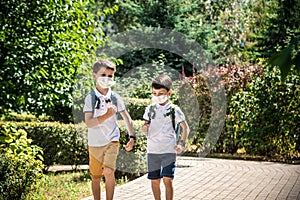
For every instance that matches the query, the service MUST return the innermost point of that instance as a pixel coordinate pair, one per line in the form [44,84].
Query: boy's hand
[129,145]
[145,127]
[179,148]
[111,111]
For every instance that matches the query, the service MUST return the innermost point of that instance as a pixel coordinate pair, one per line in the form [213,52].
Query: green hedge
[136,107]
[133,162]
[23,117]
[66,144]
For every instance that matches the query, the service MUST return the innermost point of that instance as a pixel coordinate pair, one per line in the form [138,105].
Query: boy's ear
[94,75]
[170,92]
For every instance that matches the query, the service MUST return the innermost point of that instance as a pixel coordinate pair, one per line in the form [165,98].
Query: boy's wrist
[182,143]
[131,136]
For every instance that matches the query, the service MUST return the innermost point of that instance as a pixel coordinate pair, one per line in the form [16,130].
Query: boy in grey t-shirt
[162,147]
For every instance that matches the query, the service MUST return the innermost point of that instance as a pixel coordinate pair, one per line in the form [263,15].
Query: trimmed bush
[61,143]
[136,107]
[23,117]
[133,162]
[20,163]
[66,144]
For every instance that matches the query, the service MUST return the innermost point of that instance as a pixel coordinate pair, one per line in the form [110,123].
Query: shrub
[134,162]
[266,114]
[66,144]
[136,107]
[61,143]
[22,117]
[20,163]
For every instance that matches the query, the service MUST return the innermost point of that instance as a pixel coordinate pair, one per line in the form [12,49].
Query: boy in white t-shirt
[160,118]
[100,117]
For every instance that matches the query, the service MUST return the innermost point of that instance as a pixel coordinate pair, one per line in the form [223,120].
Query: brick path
[209,179]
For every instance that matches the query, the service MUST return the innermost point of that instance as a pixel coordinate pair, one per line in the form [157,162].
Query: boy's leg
[154,174]
[109,175]
[110,159]
[155,185]
[168,182]
[96,170]
[168,171]
[96,188]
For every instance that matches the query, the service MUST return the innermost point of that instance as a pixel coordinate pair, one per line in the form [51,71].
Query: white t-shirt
[107,131]
[161,134]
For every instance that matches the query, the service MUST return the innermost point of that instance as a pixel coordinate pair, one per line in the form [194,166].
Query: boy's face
[161,96]
[104,72]
[160,92]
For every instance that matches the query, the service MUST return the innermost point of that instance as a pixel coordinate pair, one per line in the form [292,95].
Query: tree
[43,43]
[278,38]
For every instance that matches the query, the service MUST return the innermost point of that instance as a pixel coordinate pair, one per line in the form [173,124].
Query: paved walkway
[214,179]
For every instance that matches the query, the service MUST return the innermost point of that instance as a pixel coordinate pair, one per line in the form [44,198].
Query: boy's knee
[96,180]
[167,180]
[108,171]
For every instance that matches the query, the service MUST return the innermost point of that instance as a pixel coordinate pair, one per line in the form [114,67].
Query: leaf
[283,60]
[296,61]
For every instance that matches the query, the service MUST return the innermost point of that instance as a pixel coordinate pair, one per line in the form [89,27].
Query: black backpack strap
[151,113]
[114,99]
[172,114]
[93,99]
[176,127]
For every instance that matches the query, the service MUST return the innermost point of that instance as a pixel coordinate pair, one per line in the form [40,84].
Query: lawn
[67,185]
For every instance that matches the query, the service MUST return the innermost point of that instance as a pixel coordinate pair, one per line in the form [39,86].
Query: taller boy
[100,110]
[160,119]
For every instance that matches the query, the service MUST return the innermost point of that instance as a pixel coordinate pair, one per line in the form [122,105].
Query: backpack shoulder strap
[93,99]
[114,99]
[151,113]
[176,127]
[172,115]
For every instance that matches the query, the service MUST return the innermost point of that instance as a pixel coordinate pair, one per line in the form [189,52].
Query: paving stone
[206,178]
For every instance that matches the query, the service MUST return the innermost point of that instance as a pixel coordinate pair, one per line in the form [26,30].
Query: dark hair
[103,63]
[162,81]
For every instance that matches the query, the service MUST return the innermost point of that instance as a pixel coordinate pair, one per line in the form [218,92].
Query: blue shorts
[160,165]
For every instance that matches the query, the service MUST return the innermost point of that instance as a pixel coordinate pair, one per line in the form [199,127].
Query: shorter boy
[160,118]
[100,117]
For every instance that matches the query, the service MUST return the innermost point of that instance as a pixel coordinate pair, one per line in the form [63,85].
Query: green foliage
[287,58]
[61,143]
[133,163]
[20,163]
[66,144]
[21,117]
[136,107]
[42,46]
[277,37]
[264,117]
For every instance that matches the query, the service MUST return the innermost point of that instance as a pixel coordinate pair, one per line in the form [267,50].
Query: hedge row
[66,144]
[136,107]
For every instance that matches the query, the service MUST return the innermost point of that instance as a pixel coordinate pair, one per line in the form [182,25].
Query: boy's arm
[145,127]
[125,115]
[92,122]
[185,132]
[182,143]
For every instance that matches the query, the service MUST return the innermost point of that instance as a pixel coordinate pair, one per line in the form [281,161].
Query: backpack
[176,127]
[113,99]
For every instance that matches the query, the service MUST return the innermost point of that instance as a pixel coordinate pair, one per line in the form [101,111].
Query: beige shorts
[100,157]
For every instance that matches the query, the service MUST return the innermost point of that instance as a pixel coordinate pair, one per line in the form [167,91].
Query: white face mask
[160,99]
[105,82]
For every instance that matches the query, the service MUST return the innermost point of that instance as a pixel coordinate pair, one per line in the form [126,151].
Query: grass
[67,185]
